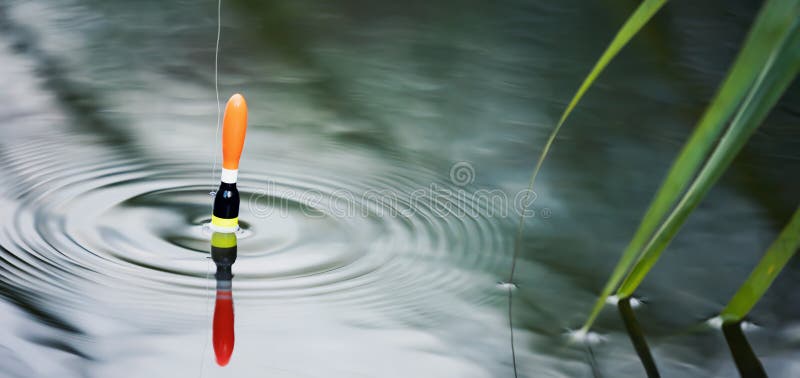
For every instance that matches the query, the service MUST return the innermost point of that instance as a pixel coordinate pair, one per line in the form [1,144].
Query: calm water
[378,130]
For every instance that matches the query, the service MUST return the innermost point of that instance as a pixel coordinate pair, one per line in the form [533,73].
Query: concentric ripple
[385,239]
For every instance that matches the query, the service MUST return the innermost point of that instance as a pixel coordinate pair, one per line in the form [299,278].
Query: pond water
[388,146]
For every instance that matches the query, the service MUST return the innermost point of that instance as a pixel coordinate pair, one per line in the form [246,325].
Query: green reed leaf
[782,67]
[776,257]
[766,37]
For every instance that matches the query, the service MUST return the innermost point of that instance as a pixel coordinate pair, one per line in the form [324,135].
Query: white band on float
[223,229]
[229,176]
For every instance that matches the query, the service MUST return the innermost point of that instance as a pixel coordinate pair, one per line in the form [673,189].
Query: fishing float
[225,213]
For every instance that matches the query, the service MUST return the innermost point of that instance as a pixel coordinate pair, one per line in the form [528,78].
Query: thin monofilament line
[216,92]
[213,176]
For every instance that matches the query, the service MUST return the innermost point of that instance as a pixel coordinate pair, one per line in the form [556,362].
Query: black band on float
[226,202]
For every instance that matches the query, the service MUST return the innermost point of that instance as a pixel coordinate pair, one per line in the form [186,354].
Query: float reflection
[223,252]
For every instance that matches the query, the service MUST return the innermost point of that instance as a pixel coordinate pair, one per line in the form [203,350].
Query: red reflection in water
[223,337]
[223,252]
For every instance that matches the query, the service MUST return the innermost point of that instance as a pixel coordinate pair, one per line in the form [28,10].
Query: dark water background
[108,137]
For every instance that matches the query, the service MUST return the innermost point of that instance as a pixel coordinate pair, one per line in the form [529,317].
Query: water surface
[376,131]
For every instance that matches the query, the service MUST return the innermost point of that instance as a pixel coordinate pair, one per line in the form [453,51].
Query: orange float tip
[234,127]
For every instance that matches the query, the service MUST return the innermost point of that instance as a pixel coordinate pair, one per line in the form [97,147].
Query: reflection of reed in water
[746,360]
[223,252]
[637,337]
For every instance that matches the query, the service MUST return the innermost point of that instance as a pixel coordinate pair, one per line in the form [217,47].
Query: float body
[225,214]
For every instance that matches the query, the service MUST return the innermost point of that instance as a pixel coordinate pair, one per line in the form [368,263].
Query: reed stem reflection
[637,337]
[743,355]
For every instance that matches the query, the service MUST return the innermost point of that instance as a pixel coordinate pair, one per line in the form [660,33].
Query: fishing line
[219,109]
[213,176]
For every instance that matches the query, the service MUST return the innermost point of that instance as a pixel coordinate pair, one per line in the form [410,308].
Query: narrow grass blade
[782,67]
[776,257]
[632,25]
[765,37]
[635,22]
